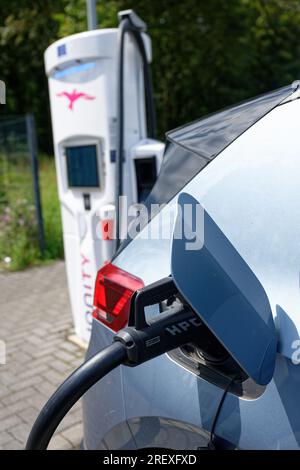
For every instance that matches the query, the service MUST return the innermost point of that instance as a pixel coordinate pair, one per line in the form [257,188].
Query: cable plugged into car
[211,295]
[131,346]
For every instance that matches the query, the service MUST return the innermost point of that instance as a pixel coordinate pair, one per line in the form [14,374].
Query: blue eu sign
[61,50]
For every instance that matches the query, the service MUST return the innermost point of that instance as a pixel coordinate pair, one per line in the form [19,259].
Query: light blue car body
[252,191]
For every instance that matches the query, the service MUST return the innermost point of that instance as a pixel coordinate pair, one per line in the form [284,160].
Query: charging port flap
[225,293]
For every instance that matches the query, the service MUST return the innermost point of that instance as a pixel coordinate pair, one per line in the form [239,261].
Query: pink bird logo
[74,96]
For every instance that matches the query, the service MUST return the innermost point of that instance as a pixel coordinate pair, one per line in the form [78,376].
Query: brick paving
[35,321]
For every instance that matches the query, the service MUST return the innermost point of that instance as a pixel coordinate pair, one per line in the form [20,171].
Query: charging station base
[78,341]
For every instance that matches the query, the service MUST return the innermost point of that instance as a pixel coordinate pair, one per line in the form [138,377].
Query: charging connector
[177,326]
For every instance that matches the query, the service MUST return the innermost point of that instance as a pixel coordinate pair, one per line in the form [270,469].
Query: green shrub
[51,209]
[18,235]
[19,246]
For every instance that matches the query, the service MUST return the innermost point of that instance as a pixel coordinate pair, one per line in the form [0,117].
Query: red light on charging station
[113,291]
[107,229]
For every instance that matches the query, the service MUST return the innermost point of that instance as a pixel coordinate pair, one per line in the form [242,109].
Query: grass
[51,210]
[18,231]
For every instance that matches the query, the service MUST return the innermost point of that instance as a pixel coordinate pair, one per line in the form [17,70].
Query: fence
[21,223]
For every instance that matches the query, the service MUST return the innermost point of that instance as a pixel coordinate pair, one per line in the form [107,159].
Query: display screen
[82,166]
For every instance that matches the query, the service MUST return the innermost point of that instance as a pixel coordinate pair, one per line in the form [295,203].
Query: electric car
[243,166]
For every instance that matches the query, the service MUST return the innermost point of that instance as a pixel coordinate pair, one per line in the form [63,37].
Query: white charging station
[84,72]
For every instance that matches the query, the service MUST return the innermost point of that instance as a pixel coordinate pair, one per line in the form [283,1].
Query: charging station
[103,132]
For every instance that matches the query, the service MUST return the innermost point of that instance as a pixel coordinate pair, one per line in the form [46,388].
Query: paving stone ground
[35,321]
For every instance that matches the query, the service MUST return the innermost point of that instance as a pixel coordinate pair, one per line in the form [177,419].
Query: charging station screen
[82,166]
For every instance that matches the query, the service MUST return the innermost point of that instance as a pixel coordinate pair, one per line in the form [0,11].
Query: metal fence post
[91,14]
[32,145]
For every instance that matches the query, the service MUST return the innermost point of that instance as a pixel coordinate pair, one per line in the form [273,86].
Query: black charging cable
[127,27]
[132,346]
[140,342]
[211,445]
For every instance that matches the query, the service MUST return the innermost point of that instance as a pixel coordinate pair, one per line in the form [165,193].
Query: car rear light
[113,291]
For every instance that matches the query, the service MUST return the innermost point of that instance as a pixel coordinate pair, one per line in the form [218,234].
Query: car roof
[209,135]
[193,146]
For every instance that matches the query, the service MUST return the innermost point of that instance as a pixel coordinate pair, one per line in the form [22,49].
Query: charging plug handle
[169,330]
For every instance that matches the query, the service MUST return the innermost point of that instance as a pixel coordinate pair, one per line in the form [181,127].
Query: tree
[28,28]
[207,54]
